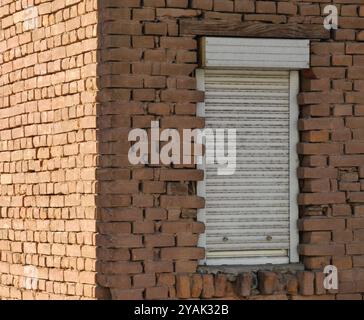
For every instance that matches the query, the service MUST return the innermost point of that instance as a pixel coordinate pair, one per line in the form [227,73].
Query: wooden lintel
[252,29]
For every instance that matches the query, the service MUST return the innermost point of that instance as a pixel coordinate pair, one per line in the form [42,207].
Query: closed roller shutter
[247,214]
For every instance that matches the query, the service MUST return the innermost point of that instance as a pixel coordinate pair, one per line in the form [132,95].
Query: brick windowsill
[236,269]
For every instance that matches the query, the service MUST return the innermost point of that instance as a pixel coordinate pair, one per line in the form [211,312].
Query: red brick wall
[48,149]
[149,231]
[64,176]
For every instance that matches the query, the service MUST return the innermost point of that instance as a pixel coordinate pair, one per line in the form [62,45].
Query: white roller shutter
[248,214]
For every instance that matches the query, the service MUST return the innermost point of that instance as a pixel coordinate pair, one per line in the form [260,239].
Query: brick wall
[149,230]
[147,215]
[48,149]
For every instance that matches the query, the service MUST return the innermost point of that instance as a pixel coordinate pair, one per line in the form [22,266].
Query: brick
[181,202]
[286,8]
[314,224]
[342,262]
[354,97]
[342,60]
[182,253]
[320,148]
[305,283]
[359,109]
[355,48]
[321,249]
[178,43]
[202,4]
[356,196]
[354,147]
[355,223]
[351,275]
[319,283]
[268,282]
[143,227]
[159,240]
[156,28]
[342,236]
[316,185]
[208,290]
[344,85]
[292,285]
[183,286]
[186,239]
[181,175]
[143,201]
[309,9]
[351,23]
[224,5]
[355,73]
[144,280]
[316,237]
[181,95]
[345,34]
[306,173]
[177,3]
[114,281]
[114,227]
[316,262]
[126,28]
[154,3]
[166,279]
[321,198]
[142,254]
[358,134]
[359,211]
[179,226]
[315,136]
[320,124]
[155,214]
[308,98]
[265,7]
[120,240]
[143,14]
[153,187]
[349,186]
[244,284]
[186,266]
[220,284]
[341,210]
[197,285]
[169,69]
[346,161]
[358,261]
[120,267]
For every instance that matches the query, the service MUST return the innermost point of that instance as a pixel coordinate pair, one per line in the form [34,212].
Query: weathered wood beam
[252,29]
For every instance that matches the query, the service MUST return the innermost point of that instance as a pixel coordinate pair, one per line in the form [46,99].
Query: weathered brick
[306,283]
[268,282]
[183,286]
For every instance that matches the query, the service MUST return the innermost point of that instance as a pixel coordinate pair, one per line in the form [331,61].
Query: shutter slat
[249,210]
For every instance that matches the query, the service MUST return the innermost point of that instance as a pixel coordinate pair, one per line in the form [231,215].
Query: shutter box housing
[254,53]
